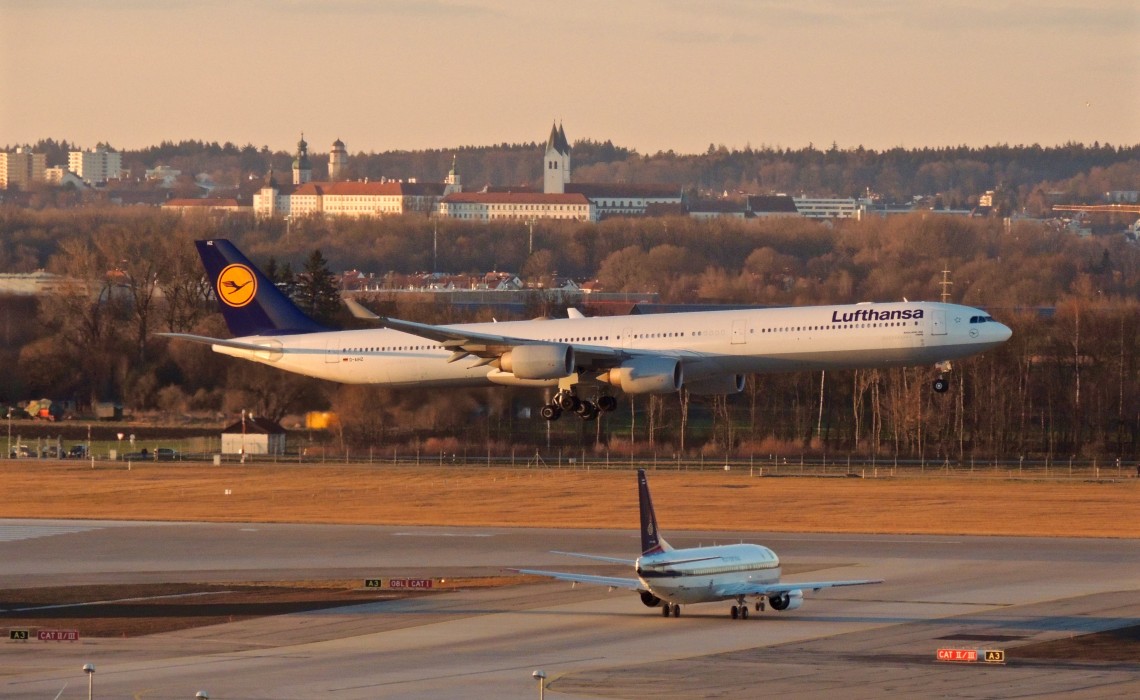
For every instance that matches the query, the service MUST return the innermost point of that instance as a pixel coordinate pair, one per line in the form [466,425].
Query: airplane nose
[1003,332]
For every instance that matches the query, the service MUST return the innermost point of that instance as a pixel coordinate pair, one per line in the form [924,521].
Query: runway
[871,641]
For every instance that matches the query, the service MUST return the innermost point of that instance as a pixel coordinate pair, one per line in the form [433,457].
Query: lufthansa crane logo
[237,285]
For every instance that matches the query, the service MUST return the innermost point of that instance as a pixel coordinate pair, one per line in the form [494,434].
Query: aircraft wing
[735,589]
[464,342]
[207,340]
[629,584]
[597,557]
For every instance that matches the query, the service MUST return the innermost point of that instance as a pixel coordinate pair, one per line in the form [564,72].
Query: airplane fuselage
[710,343]
[684,576]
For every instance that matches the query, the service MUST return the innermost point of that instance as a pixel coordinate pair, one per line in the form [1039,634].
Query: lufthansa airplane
[706,352]
[671,577]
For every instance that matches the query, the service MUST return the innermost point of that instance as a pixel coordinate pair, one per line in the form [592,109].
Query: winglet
[250,303]
[651,540]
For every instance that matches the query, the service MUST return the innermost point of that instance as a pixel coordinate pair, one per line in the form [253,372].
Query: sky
[653,75]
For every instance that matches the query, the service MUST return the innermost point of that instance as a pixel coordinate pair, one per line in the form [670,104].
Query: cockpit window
[982,319]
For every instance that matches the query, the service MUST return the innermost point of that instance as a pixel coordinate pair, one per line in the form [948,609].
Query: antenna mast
[946,285]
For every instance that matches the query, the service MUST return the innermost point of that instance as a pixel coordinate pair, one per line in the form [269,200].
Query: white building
[338,161]
[96,166]
[829,207]
[21,168]
[523,206]
[351,199]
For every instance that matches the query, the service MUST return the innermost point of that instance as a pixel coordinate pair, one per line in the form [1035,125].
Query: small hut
[253,436]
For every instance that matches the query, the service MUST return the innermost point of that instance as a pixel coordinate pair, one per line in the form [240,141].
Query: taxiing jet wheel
[735,612]
[550,412]
[566,401]
[759,606]
[665,609]
[606,403]
[589,411]
[676,610]
[743,612]
[941,385]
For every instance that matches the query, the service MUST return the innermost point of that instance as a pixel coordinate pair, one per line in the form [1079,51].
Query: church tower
[452,184]
[556,170]
[302,169]
[338,161]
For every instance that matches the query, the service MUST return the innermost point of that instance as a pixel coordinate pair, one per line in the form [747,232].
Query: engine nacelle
[646,375]
[650,600]
[786,601]
[547,361]
[716,386]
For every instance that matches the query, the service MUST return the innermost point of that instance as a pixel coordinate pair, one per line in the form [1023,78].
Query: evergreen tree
[317,292]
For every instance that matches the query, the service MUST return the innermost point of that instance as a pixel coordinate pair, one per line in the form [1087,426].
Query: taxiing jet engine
[646,375]
[547,361]
[786,601]
[650,600]
[716,386]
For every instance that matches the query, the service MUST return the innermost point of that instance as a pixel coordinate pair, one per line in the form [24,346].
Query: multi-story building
[829,207]
[96,166]
[21,168]
[525,206]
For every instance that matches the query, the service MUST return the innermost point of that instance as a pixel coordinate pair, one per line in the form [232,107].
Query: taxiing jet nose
[1002,332]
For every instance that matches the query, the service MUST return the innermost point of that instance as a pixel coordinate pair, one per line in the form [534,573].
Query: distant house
[253,436]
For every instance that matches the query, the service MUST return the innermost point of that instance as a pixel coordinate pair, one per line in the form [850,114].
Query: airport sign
[58,635]
[411,583]
[18,635]
[970,656]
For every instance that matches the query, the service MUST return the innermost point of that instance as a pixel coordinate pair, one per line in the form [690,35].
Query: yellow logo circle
[237,285]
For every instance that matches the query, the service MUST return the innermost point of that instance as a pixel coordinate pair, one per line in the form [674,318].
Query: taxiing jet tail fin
[651,540]
[249,301]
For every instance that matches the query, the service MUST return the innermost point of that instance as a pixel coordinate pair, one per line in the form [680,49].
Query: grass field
[477,496]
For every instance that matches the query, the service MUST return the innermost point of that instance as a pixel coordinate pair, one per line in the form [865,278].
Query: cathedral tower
[556,170]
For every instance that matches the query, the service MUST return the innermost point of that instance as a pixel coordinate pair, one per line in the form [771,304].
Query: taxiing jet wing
[598,557]
[629,584]
[735,589]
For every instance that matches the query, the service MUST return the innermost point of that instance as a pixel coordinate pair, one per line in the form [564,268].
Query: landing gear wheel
[676,610]
[759,606]
[665,609]
[588,411]
[941,385]
[566,401]
[606,403]
[743,612]
[735,612]
[550,412]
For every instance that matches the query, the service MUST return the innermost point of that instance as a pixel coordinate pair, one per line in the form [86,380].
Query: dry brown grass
[477,496]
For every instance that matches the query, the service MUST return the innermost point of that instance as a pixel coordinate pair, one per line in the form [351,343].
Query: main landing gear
[670,608]
[740,611]
[586,410]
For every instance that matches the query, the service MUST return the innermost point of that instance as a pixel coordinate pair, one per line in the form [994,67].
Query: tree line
[1066,384]
[1025,178]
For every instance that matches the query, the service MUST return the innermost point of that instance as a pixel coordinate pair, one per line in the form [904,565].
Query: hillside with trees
[1025,179]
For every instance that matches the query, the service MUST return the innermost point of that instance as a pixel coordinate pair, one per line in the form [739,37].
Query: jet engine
[786,601]
[650,600]
[546,361]
[715,386]
[646,375]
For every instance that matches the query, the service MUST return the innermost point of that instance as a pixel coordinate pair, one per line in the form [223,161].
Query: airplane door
[938,323]
[332,350]
[739,331]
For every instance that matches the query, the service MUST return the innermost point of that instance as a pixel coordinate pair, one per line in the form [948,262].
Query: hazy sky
[647,74]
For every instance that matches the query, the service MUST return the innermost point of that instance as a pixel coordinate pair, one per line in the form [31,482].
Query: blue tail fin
[651,540]
[249,301]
